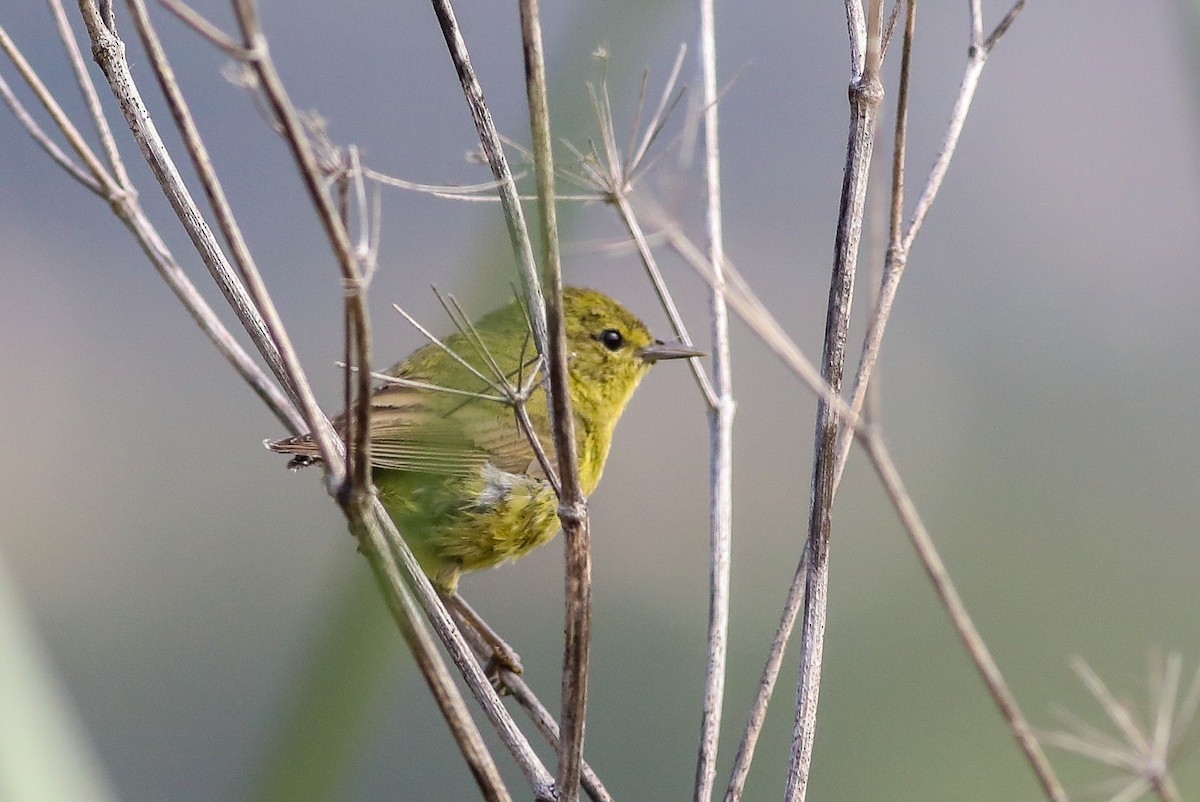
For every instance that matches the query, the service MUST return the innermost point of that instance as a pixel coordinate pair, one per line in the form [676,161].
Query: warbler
[453,466]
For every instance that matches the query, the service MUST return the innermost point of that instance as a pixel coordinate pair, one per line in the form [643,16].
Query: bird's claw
[503,660]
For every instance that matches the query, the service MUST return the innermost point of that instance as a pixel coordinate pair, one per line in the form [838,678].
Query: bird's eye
[612,339]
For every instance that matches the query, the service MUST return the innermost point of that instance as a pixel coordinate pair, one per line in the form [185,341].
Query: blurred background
[205,616]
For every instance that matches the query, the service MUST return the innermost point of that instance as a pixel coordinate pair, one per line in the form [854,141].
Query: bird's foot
[503,661]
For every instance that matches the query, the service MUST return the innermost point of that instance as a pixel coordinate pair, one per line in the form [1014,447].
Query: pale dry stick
[759,320]
[998,688]
[636,161]
[629,217]
[877,244]
[548,727]
[516,687]
[1117,712]
[749,308]
[90,162]
[871,346]
[109,53]
[540,780]
[1165,692]
[445,693]
[255,42]
[90,97]
[866,93]
[123,202]
[434,189]
[320,427]
[215,36]
[480,766]
[260,299]
[720,421]
[295,136]
[493,149]
[898,253]
[131,214]
[613,180]
[1144,753]
[56,154]
[572,505]
[896,260]
[356,382]
[514,740]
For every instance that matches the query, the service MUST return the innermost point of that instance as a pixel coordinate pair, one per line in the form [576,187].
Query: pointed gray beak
[661,350]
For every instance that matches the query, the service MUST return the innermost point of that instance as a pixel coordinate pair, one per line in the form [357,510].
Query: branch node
[574,514]
[867,90]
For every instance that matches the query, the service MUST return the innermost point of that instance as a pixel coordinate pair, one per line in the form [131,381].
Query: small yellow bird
[456,471]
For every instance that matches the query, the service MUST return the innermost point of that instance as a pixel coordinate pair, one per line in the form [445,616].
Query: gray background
[1038,388]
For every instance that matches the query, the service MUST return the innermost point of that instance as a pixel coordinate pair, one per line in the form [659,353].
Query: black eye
[612,339]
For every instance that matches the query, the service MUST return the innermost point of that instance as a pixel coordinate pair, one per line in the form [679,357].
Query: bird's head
[609,352]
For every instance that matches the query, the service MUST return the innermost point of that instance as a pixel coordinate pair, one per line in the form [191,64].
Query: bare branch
[720,426]
[614,181]
[124,204]
[441,686]
[629,217]
[493,149]
[215,36]
[90,98]
[971,638]
[866,93]
[548,727]
[435,189]
[572,509]
[766,686]
[109,52]
[1003,26]
[92,164]
[44,141]
[751,310]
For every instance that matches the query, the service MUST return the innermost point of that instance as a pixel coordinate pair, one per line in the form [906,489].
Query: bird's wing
[429,431]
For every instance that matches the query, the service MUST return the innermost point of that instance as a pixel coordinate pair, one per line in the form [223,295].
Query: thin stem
[44,141]
[277,350]
[548,727]
[753,312]
[515,685]
[246,14]
[572,509]
[424,650]
[629,217]
[989,671]
[215,36]
[958,117]
[720,422]
[540,780]
[123,202]
[109,52]
[90,97]
[897,254]
[866,93]
[766,686]
[52,107]
[493,149]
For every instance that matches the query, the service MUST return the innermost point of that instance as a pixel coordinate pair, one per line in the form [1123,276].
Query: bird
[454,468]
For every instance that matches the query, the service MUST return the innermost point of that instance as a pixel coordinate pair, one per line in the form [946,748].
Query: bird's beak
[661,350]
